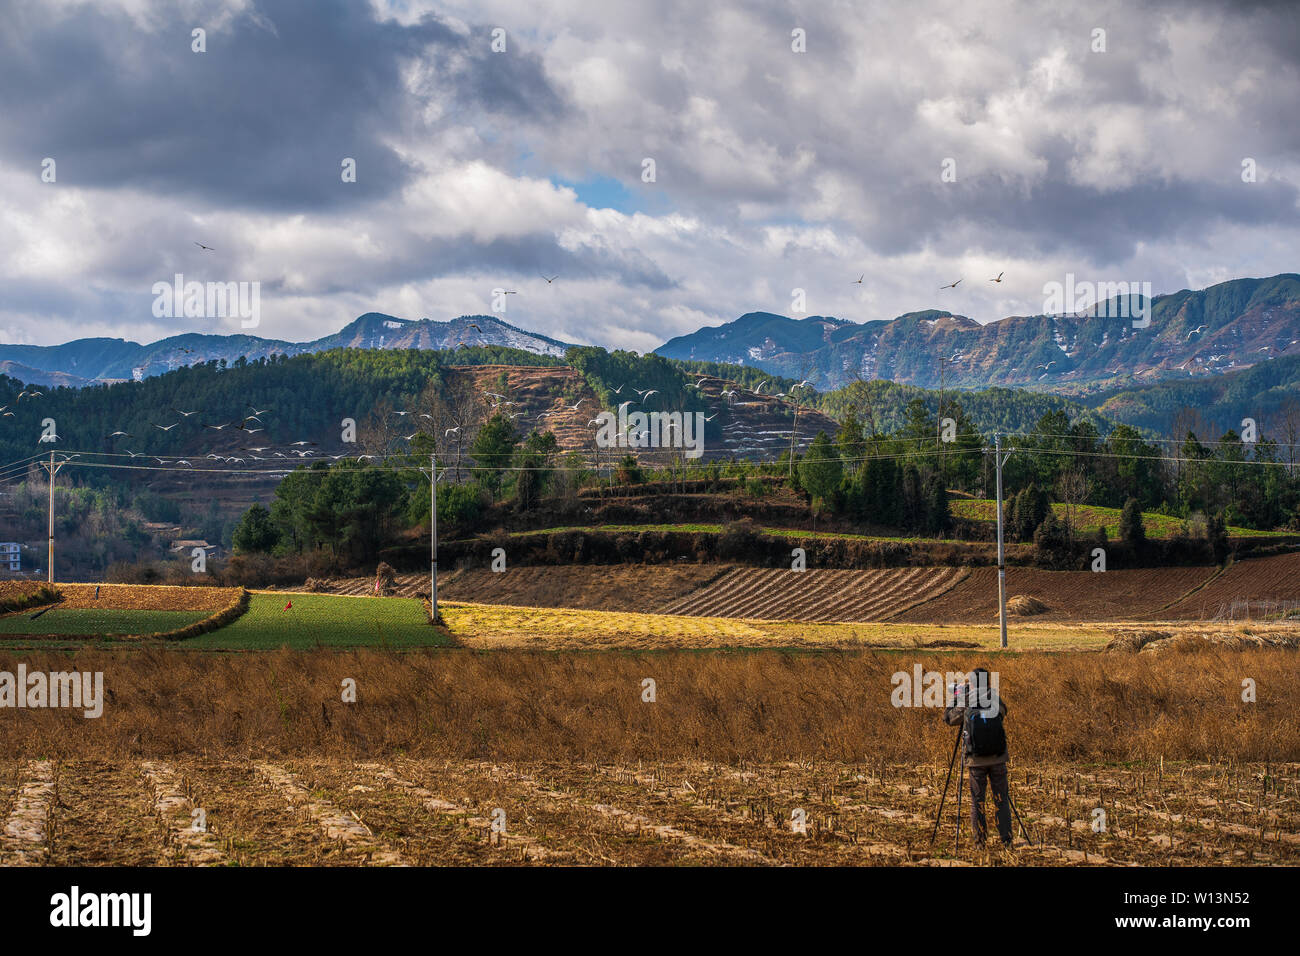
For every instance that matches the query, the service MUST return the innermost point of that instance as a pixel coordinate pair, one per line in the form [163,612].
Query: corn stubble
[709,774]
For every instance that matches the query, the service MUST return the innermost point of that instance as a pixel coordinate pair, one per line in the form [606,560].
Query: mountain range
[1191,335]
[1226,327]
[98,360]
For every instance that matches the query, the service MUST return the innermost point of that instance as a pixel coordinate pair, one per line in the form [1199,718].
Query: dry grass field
[564,753]
[553,736]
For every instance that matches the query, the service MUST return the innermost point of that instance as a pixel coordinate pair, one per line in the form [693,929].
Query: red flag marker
[289,605]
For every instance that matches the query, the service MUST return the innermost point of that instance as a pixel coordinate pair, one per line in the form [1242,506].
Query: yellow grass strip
[487,626]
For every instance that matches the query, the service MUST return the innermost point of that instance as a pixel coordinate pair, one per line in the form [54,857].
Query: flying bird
[202,246]
[998,279]
[858,280]
[450,431]
[119,435]
[551,279]
[184,414]
[1196,332]
[165,428]
[951,286]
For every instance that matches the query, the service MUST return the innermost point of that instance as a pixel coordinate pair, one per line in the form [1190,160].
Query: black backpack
[984,732]
[985,736]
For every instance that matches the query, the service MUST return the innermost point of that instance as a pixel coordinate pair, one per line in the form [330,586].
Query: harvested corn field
[329,812]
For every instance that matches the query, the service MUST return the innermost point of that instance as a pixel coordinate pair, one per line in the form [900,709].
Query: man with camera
[978,707]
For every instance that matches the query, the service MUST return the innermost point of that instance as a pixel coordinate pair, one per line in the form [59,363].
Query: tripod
[961,735]
[961,778]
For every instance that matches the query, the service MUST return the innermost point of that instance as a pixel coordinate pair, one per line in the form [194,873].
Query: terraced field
[817,595]
[193,811]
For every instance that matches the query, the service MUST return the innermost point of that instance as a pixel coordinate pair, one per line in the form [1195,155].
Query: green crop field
[98,621]
[717,529]
[323,620]
[1090,517]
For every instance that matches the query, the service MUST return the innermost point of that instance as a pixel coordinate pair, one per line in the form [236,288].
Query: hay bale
[385,579]
[1131,642]
[1196,640]
[1024,605]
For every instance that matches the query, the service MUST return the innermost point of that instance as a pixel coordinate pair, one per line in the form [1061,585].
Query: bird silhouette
[202,246]
[998,279]
[951,286]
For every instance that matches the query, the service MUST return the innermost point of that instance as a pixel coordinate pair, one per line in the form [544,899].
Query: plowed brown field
[1122,595]
[623,587]
[1246,589]
[816,595]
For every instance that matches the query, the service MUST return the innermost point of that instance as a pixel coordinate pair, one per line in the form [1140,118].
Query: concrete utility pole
[50,556]
[1002,569]
[433,538]
[49,560]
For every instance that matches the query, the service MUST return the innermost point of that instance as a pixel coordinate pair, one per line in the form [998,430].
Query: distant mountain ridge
[96,360]
[1226,327]
[1191,336]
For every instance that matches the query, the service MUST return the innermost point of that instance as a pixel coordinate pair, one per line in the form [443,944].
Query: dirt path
[634,822]
[336,825]
[25,841]
[195,847]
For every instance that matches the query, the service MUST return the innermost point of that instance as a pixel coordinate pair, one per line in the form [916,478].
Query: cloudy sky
[774,169]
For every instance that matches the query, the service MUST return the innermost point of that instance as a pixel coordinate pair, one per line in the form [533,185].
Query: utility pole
[433,538]
[49,561]
[50,557]
[1002,570]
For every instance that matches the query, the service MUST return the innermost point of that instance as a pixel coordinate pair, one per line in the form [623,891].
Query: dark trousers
[980,777]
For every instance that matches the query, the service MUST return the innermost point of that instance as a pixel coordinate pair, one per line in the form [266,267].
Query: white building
[10,556]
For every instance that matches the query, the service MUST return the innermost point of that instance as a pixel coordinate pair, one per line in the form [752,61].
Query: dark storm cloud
[264,118]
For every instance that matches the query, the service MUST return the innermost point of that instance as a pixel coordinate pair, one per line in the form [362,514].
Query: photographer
[980,710]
